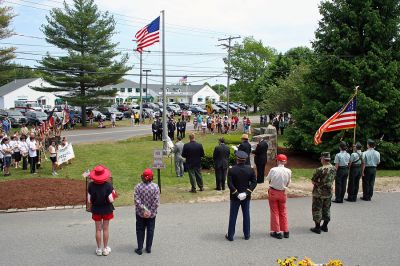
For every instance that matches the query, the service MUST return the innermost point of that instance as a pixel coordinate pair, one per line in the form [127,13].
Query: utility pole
[229,47]
[140,87]
[146,71]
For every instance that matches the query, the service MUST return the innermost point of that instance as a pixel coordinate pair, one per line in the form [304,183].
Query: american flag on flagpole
[148,35]
[183,79]
[345,118]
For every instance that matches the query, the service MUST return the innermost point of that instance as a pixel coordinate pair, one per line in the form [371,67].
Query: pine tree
[357,43]
[85,34]
[6,53]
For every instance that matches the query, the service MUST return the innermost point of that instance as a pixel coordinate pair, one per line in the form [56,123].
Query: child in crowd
[101,195]
[53,157]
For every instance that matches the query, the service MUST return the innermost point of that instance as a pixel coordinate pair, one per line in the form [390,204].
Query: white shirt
[15,145]
[279,177]
[113,116]
[32,148]
[5,147]
[23,147]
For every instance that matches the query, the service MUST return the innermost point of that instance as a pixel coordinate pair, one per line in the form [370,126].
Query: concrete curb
[43,209]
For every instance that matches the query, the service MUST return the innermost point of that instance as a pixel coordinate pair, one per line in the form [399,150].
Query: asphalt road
[118,133]
[362,233]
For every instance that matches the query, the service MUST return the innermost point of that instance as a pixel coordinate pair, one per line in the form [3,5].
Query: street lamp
[146,71]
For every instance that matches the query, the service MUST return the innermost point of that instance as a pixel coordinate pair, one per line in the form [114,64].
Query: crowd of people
[29,147]
[280,121]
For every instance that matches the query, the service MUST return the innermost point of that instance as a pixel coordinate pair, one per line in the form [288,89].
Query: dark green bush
[207,161]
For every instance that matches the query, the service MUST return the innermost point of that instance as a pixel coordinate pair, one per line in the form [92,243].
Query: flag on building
[183,80]
[148,35]
[345,118]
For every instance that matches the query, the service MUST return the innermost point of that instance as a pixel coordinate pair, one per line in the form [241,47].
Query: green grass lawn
[126,160]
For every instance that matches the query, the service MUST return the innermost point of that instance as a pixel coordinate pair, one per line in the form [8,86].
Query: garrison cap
[241,155]
[371,142]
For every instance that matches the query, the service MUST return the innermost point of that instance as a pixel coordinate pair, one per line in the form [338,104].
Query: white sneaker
[106,251]
[99,252]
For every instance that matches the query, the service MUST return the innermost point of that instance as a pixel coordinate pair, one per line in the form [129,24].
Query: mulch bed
[41,192]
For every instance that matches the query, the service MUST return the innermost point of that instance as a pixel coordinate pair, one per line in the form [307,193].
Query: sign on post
[158,159]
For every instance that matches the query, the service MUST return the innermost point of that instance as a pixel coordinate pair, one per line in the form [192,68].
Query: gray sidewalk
[361,233]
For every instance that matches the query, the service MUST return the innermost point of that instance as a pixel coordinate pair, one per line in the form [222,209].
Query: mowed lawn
[127,159]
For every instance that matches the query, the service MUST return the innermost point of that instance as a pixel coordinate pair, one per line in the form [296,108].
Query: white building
[21,90]
[129,91]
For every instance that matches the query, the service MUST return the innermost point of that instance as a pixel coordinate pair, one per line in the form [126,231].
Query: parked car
[150,105]
[96,115]
[197,110]
[123,108]
[216,109]
[107,111]
[35,117]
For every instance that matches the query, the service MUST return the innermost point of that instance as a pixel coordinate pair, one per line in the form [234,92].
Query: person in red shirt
[101,195]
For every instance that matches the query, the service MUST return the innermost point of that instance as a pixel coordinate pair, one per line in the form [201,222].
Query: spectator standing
[178,148]
[279,179]
[16,151]
[24,149]
[113,118]
[193,152]
[32,152]
[147,200]
[53,157]
[101,196]
[260,159]
[221,161]
[246,147]
[7,151]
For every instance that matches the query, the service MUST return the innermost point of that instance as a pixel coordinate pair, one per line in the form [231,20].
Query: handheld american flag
[148,35]
[345,118]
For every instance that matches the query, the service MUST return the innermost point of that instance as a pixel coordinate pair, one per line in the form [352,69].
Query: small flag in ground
[345,118]
[148,35]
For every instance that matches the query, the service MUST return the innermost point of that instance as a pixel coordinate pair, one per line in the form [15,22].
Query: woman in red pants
[279,179]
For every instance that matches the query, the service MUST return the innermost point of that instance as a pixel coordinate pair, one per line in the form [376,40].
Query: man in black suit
[159,129]
[246,147]
[260,159]
[221,161]
[241,182]
[193,152]
[183,124]
[171,129]
[179,129]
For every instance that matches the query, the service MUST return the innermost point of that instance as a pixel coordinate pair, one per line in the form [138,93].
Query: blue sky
[192,31]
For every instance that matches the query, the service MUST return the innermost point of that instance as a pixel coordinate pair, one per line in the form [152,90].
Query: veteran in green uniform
[371,158]
[342,171]
[354,173]
[322,193]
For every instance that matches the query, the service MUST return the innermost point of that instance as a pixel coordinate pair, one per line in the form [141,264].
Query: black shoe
[192,191]
[316,230]
[276,235]
[201,189]
[337,201]
[138,251]
[365,199]
[286,234]
[228,238]
[148,250]
[218,189]
[324,228]
[246,237]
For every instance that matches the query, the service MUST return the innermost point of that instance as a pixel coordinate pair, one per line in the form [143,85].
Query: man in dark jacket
[183,124]
[193,152]
[154,129]
[159,129]
[260,159]
[171,129]
[246,147]
[221,160]
[241,182]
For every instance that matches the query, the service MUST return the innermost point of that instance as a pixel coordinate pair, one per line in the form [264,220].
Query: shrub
[207,161]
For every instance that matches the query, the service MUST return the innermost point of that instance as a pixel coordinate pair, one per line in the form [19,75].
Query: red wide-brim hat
[100,174]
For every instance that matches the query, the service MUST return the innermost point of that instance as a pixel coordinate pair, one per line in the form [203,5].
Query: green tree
[219,88]
[356,43]
[16,71]
[6,53]
[250,62]
[85,33]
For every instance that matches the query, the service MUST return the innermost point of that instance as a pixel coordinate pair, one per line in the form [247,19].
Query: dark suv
[16,117]
[35,118]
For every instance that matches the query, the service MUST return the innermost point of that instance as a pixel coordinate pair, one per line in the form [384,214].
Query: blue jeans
[234,209]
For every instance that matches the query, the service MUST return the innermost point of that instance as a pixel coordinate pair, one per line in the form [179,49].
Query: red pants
[277,205]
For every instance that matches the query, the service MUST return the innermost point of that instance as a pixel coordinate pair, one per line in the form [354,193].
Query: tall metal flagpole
[164,83]
[355,127]
[140,88]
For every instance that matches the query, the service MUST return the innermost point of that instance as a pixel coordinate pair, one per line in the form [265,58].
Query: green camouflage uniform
[322,193]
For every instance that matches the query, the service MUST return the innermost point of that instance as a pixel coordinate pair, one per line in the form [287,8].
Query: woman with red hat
[101,195]
[279,180]
[147,200]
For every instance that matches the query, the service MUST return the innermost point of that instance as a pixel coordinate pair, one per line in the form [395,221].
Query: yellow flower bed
[292,261]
